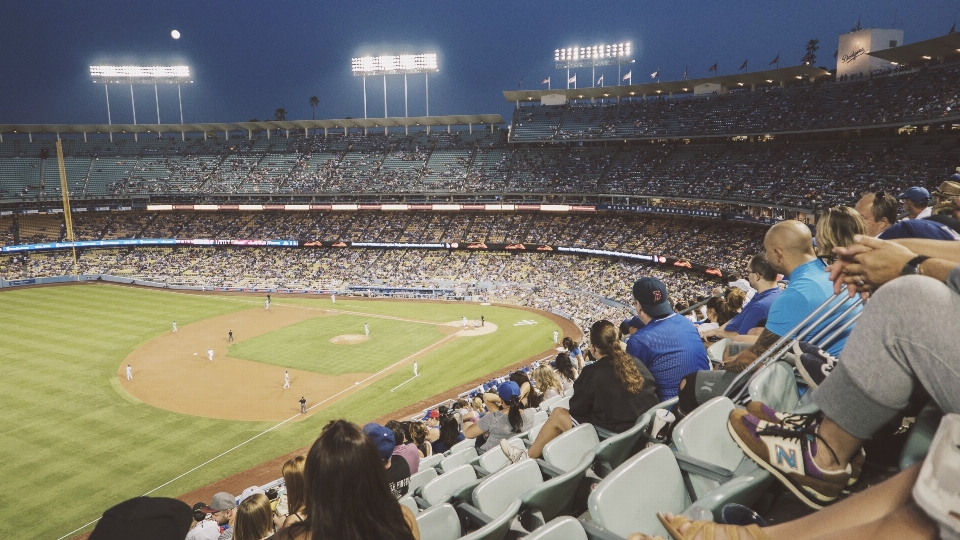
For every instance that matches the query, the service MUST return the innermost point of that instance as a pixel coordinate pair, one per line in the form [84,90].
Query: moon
[175,34]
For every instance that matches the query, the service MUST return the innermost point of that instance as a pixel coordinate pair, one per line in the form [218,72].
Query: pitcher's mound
[349,339]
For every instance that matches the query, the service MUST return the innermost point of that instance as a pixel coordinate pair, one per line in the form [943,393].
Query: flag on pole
[545,81]
[743,66]
[953,28]
[654,74]
[600,81]
[776,60]
[685,72]
[572,80]
[629,76]
[713,67]
[520,84]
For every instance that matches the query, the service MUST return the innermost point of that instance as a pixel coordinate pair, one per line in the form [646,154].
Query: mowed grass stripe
[73,439]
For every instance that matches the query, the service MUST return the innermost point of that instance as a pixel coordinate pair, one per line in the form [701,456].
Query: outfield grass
[72,443]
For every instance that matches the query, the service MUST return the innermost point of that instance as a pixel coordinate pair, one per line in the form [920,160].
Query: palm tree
[280,114]
[314,101]
[812,47]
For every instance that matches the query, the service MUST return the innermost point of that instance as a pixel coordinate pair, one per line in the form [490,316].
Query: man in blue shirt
[763,278]
[789,249]
[668,344]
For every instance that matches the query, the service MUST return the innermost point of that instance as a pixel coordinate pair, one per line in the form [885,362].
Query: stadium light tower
[132,75]
[593,56]
[404,64]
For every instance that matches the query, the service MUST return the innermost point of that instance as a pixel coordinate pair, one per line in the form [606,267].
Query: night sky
[251,57]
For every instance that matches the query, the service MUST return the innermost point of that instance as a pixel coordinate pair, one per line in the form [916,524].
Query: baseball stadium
[185,307]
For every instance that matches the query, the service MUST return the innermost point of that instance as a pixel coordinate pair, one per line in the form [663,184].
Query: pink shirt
[410,454]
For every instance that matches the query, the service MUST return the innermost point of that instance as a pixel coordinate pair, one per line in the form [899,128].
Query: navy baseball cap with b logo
[652,295]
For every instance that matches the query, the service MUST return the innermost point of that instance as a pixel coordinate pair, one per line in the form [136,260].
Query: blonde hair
[836,228]
[296,489]
[253,520]
[546,379]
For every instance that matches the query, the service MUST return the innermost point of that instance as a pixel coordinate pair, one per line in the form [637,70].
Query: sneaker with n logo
[813,364]
[787,451]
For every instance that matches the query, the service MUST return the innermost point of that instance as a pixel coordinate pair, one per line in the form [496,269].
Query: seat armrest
[595,532]
[472,514]
[464,493]
[604,433]
[549,469]
[703,468]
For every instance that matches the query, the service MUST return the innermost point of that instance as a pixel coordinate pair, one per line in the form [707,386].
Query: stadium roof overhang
[773,77]
[943,48]
[302,125]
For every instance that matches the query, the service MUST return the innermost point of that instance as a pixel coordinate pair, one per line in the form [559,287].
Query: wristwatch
[913,265]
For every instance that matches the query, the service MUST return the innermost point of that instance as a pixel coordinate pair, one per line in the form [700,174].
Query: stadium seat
[493,460]
[431,461]
[461,446]
[775,385]
[561,528]
[410,503]
[562,403]
[420,478]
[545,404]
[715,351]
[920,436]
[497,528]
[440,489]
[439,522]
[455,460]
[568,448]
[568,392]
[703,435]
[614,451]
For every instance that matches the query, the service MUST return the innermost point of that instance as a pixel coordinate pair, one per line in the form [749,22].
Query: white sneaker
[513,453]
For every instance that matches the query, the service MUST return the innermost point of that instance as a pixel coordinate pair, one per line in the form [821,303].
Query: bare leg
[843,444]
[559,421]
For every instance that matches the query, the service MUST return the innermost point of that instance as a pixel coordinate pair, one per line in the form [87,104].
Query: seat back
[545,404]
[715,351]
[493,459]
[562,403]
[496,529]
[568,392]
[438,490]
[562,528]
[498,490]
[431,461]
[703,435]
[458,459]
[439,522]
[617,449]
[565,451]
[628,499]
[410,503]
[421,478]
[776,386]
[461,446]
[555,496]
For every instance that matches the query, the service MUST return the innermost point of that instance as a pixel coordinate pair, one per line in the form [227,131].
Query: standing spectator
[668,345]
[348,493]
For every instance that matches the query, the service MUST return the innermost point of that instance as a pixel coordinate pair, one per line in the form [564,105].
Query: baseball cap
[652,295]
[634,322]
[916,194]
[200,511]
[741,284]
[250,491]
[382,438]
[508,390]
[223,501]
[150,518]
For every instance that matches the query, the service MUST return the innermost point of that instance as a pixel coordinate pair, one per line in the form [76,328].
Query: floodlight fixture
[403,64]
[140,74]
[595,55]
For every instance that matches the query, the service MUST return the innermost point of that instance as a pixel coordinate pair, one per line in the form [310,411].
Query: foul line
[258,435]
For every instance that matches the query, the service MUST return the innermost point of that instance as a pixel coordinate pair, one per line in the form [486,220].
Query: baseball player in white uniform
[414,368]
[555,336]
[366,329]
[266,305]
[130,372]
[210,354]
[174,327]
[464,319]
[286,379]
[333,298]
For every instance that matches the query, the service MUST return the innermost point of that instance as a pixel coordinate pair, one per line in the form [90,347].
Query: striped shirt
[671,349]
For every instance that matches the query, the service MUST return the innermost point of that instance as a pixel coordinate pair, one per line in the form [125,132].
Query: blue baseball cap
[508,390]
[382,438]
[916,194]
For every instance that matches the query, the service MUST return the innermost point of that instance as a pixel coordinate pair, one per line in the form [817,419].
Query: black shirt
[399,476]
[600,399]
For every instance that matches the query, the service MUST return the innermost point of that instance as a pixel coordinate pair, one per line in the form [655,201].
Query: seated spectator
[348,490]
[565,370]
[253,518]
[715,307]
[668,345]
[398,472]
[449,433]
[574,350]
[763,278]
[789,249]
[207,528]
[497,424]
[149,518]
[916,201]
[879,213]
[296,496]
[836,227]
[547,382]
[418,434]
[405,447]
[897,345]
[611,393]
[432,421]
[466,411]
[946,209]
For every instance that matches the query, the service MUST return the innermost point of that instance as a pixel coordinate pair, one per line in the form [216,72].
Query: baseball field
[79,437]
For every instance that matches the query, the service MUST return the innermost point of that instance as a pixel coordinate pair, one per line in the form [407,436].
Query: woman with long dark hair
[610,393]
[573,349]
[497,424]
[449,433]
[565,370]
[347,496]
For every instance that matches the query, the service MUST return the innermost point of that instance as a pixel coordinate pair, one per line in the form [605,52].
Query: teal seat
[562,403]
[439,522]
[410,503]
[615,450]
[493,460]
[461,446]
[442,488]
[431,461]
[920,436]
[498,527]
[452,462]
[419,479]
[562,528]
[775,385]
[569,447]
[545,404]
